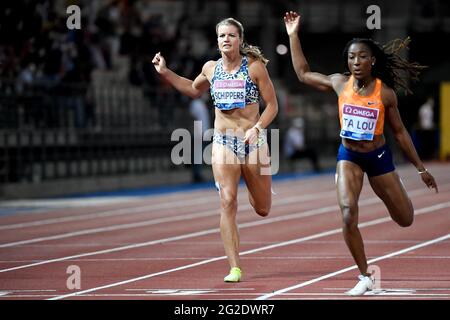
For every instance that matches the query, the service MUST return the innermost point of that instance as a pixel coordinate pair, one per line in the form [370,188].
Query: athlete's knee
[406,221]
[406,216]
[349,215]
[228,201]
[263,211]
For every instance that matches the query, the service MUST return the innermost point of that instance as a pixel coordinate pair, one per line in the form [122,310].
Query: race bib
[229,94]
[358,123]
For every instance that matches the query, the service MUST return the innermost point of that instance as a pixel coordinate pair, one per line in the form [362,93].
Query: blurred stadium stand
[84,110]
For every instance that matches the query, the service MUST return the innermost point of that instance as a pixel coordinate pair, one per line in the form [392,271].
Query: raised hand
[159,62]
[292,22]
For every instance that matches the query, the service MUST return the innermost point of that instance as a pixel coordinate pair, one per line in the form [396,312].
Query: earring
[373,63]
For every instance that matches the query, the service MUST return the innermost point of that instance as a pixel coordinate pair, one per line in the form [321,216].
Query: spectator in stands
[237,80]
[295,145]
[426,115]
[426,133]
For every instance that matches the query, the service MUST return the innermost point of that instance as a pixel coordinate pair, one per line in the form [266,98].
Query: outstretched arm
[301,67]
[403,138]
[193,89]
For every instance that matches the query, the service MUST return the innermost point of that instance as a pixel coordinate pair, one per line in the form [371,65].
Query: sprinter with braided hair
[391,68]
[366,98]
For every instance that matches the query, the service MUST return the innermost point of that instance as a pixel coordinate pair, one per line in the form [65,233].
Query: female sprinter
[366,99]
[237,81]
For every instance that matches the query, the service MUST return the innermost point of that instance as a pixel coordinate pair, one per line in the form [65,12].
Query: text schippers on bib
[233,90]
[229,94]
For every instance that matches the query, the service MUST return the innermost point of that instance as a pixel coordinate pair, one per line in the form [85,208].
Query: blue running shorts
[374,163]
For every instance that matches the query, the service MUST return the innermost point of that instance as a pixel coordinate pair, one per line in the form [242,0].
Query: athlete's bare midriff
[236,121]
[364,146]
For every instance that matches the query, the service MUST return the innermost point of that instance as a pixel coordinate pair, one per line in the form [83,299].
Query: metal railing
[55,132]
[64,131]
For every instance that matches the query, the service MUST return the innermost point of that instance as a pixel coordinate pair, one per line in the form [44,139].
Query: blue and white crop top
[232,91]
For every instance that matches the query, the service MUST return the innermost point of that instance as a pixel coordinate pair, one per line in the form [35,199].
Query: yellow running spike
[234,276]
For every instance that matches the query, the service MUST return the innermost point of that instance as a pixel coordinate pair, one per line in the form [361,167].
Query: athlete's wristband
[420,172]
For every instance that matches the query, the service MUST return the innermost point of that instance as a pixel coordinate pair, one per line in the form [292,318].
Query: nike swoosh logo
[380,155]
[370,103]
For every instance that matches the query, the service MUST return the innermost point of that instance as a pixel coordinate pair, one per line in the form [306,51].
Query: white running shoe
[364,284]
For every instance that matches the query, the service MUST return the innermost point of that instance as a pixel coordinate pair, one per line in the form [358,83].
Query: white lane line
[112,213]
[209,289]
[398,289]
[30,290]
[330,275]
[112,228]
[64,203]
[151,208]
[313,296]
[11,292]
[140,224]
[254,294]
[146,209]
[372,298]
[282,244]
[191,235]
[197,243]
[199,233]
[133,246]
[285,201]
[244,258]
[167,201]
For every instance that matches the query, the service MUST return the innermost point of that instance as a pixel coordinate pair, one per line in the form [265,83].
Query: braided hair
[390,66]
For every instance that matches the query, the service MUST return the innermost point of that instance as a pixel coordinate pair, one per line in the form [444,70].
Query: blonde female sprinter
[237,81]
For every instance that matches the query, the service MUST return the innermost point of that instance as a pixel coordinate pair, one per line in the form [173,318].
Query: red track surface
[169,247]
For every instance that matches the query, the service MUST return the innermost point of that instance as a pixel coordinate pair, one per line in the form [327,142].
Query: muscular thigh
[226,173]
[391,190]
[349,182]
[257,175]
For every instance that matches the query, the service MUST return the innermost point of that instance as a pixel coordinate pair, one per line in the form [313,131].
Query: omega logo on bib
[230,93]
[358,122]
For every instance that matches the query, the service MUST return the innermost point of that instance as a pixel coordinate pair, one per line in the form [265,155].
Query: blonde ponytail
[254,52]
